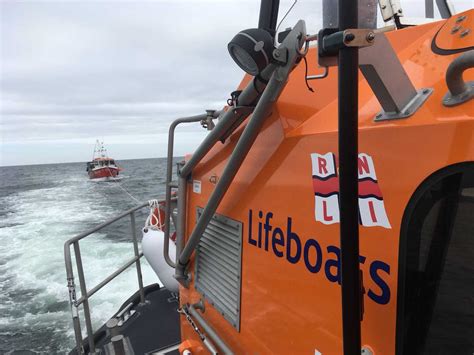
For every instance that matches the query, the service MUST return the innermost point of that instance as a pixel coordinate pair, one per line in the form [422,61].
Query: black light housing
[252,50]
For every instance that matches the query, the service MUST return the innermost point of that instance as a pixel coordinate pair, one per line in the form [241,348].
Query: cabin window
[436,269]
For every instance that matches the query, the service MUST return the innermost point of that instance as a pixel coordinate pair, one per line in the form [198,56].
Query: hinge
[390,9]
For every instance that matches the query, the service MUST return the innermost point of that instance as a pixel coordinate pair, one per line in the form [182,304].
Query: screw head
[349,37]
[370,37]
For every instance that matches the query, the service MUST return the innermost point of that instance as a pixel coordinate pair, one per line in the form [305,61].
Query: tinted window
[436,281]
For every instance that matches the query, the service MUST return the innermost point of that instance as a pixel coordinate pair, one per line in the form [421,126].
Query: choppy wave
[41,207]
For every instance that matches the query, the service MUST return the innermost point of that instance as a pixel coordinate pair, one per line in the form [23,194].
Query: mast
[99,150]
[348,181]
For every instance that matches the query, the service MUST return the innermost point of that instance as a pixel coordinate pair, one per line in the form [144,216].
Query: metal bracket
[408,110]
[207,123]
[280,55]
[358,37]
[184,279]
[383,71]
[331,40]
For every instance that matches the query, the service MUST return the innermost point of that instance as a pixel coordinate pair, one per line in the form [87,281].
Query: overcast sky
[72,72]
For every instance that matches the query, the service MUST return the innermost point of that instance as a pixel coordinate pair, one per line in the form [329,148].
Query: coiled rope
[153,220]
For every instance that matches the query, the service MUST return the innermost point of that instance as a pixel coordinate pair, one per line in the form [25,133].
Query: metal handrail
[85,294]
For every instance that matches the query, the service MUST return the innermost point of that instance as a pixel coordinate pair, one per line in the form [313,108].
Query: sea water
[41,207]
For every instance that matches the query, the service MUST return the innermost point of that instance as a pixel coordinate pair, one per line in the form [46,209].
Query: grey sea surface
[41,206]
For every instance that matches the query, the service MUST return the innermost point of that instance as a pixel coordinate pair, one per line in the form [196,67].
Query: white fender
[152,247]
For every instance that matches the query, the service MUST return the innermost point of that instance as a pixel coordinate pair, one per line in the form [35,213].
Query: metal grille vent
[218,266]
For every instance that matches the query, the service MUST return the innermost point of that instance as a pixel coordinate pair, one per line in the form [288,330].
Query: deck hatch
[218,266]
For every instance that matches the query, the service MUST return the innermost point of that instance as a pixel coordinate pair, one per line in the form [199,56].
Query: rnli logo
[326,191]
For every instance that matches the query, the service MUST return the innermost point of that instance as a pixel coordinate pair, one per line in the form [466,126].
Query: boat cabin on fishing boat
[329,210]
[101,166]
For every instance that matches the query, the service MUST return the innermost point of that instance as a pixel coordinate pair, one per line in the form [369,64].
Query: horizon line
[83,161]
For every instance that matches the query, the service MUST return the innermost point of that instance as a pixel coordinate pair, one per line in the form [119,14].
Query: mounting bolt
[425,91]
[370,37]
[379,115]
[400,11]
[465,32]
[349,37]
[455,29]
[276,54]
[407,112]
[384,7]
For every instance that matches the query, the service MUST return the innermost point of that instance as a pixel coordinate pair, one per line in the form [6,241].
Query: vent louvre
[218,266]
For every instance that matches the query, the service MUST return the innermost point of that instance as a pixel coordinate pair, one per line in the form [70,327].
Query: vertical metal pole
[169,173]
[82,283]
[429,8]
[137,256]
[268,15]
[75,313]
[348,71]
[181,226]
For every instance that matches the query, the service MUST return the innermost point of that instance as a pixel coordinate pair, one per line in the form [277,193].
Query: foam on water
[34,310]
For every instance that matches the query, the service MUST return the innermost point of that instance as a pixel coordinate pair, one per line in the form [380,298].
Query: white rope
[121,187]
[154,204]
[284,17]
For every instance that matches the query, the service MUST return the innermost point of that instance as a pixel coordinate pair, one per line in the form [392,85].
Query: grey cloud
[72,68]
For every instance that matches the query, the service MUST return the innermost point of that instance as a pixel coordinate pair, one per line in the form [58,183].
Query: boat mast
[99,150]
[348,70]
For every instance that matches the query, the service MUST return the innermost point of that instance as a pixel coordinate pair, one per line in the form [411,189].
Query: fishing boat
[329,208]
[102,167]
